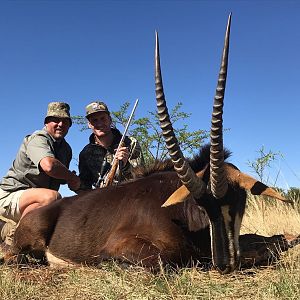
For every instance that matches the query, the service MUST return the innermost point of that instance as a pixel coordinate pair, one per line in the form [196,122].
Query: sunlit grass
[267,216]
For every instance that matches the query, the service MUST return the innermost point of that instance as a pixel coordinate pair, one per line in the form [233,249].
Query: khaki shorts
[9,204]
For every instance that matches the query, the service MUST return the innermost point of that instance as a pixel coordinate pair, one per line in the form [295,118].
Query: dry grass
[281,281]
[268,217]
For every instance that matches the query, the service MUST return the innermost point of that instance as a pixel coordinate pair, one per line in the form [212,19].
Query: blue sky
[79,51]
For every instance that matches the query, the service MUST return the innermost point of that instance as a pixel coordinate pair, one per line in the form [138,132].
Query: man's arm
[136,155]
[54,168]
[135,158]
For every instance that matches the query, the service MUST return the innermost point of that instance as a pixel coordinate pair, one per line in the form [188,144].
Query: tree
[147,131]
[263,162]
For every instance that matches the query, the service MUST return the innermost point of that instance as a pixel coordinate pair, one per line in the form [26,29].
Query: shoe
[7,230]
[2,223]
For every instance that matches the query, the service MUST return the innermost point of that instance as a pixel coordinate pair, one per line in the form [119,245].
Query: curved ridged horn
[187,176]
[218,181]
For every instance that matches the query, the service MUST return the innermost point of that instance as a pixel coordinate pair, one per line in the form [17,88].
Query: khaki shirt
[93,157]
[25,172]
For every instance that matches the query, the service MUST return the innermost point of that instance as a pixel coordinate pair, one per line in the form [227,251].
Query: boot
[2,223]
[7,230]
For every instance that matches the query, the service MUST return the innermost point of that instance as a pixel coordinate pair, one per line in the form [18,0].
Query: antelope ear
[181,194]
[178,196]
[254,186]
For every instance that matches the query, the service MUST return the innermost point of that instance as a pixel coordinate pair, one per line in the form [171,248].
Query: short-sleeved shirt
[25,171]
[93,157]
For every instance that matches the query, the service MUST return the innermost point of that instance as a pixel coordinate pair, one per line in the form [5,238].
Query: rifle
[108,179]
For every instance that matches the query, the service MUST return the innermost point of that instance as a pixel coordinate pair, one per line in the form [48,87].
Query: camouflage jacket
[95,160]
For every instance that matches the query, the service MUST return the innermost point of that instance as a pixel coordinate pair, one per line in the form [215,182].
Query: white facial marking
[227,221]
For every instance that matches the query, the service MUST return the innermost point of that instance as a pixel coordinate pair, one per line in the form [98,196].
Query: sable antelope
[126,221]
[220,187]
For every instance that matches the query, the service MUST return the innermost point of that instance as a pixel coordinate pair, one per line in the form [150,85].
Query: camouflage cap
[59,110]
[94,107]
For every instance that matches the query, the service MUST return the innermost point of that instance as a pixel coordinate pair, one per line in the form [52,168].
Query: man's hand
[73,182]
[123,155]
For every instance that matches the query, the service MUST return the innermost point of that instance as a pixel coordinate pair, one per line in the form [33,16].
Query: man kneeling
[40,167]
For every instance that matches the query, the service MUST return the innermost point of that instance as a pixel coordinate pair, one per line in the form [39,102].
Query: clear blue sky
[78,51]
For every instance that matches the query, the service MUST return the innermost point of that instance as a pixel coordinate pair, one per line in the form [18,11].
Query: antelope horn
[218,181]
[187,176]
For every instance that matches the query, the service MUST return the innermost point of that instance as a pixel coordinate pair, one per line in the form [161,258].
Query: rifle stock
[112,172]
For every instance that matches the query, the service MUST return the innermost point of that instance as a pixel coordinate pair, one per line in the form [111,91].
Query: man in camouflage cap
[96,157]
[40,167]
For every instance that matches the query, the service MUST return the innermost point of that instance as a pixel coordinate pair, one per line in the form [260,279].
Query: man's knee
[49,197]
[35,198]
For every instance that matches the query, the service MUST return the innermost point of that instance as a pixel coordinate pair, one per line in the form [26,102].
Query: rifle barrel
[126,127]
